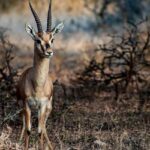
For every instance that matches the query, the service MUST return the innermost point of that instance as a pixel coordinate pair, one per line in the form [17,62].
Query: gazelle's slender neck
[40,69]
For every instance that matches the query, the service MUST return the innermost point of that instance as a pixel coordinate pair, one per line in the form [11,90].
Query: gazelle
[35,87]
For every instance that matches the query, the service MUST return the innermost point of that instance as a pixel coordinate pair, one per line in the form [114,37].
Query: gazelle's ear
[58,28]
[30,30]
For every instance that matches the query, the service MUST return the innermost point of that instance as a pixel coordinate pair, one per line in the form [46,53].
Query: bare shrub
[125,66]
[8,74]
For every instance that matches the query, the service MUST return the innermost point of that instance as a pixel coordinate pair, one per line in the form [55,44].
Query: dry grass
[83,125]
[6,141]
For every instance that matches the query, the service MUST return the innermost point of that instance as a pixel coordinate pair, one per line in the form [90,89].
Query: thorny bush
[8,75]
[125,65]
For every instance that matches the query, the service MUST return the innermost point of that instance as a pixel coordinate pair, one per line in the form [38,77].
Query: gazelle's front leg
[41,116]
[27,125]
[44,112]
[48,111]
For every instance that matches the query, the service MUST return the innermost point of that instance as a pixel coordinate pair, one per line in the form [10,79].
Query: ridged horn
[49,17]
[37,19]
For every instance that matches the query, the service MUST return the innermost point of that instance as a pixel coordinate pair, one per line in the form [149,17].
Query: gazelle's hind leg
[47,139]
[23,128]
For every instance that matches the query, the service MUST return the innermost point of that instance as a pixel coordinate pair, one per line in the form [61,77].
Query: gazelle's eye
[52,40]
[38,41]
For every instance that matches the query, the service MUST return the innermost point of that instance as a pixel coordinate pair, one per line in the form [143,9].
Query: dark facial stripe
[42,48]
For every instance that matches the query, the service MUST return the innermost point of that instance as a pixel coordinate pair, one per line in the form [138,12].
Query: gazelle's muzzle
[48,54]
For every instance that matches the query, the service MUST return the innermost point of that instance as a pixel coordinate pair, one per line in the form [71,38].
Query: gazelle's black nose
[49,52]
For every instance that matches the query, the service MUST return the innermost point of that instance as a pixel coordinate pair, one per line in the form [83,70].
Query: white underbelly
[37,103]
